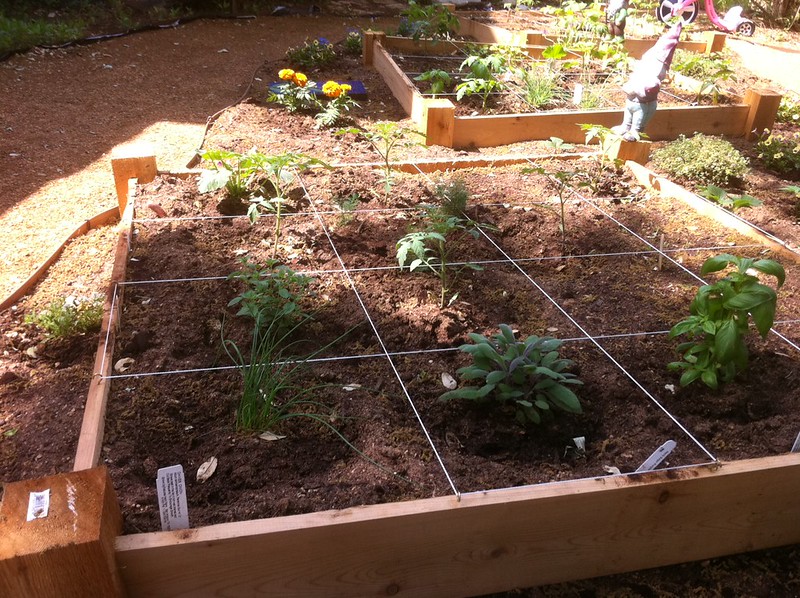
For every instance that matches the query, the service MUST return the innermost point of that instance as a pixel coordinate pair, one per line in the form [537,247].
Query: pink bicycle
[732,22]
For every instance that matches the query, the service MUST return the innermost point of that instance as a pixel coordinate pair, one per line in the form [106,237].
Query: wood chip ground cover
[606,279]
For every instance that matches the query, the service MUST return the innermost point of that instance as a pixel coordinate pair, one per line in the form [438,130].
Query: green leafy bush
[781,153]
[433,21]
[720,315]
[69,316]
[702,159]
[314,53]
[529,375]
[272,294]
[353,43]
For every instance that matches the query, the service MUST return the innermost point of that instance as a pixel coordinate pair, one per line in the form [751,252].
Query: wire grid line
[335,358]
[593,340]
[697,277]
[382,344]
[452,264]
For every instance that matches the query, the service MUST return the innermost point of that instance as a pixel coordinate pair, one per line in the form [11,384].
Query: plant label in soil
[171,487]
[796,445]
[38,504]
[657,457]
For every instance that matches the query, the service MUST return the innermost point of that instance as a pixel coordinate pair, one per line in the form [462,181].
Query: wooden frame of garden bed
[472,544]
[436,118]
[486,33]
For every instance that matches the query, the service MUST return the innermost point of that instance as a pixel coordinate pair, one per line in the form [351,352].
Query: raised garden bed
[438,120]
[604,281]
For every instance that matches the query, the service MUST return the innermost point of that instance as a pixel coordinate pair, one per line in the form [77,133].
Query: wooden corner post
[135,161]
[57,536]
[438,122]
[368,46]
[715,41]
[763,110]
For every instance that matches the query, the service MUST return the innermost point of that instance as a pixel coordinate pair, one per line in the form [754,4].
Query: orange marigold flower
[300,79]
[286,74]
[331,89]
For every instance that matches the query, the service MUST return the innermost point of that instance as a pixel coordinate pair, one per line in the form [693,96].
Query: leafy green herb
[529,375]
[720,314]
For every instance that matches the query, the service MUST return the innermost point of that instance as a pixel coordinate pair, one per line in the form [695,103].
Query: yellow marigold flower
[345,87]
[300,79]
[331,89]
[286,74]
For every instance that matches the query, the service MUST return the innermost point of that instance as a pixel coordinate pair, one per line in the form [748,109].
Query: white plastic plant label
[171,488]
[658,456]
[38,504]
[796,445]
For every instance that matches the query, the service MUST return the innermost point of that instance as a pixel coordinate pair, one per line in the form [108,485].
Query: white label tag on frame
[171,488]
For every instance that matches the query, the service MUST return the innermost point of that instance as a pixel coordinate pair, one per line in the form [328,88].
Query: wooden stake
[368,48]
[135,161]
[660,251]
[763,110]
[70,551]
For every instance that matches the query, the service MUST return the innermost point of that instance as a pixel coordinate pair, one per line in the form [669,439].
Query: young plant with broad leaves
[727,200]
[528,375]
[482,79]
[428,250]
[385,137]
[235,172]
[438,80]
[720,314]
[281,171]
[272,294]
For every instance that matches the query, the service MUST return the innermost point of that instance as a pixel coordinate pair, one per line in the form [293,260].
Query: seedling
[434,21]
[528,375]
[384,138]
[236,172]
[728,201]
[439,80]
[273,292]
[281,172]
[68,317]
[429,250]
[720,315]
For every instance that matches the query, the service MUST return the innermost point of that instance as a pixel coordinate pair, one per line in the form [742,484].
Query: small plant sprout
[233,171]
[433,21]
[384,138]
[728,201]
[353,43]
[720,315]
[281,171]
[347,205]
[69,316]
[528,375]
[439,80]
[482,79]
[311,54]
[428,249]
[559,145]
[273,293]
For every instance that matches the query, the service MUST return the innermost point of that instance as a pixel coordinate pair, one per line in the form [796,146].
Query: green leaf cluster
[428,249]
[702,159]
[728,201]
[439,80]
[719,320]
[433,21]
[528,375]
[68,316]
[272,292]
[314,53]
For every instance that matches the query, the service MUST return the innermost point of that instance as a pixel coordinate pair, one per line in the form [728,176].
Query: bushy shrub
[68,317]
[702,159]
[781,153]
